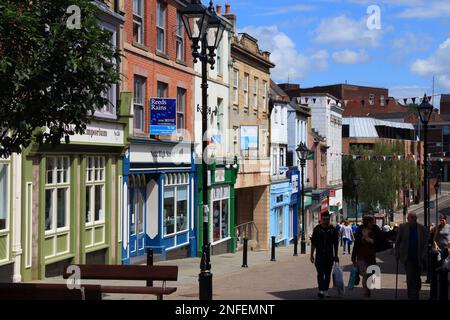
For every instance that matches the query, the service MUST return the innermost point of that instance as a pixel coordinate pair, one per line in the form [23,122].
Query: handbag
[338,279]
[353,275]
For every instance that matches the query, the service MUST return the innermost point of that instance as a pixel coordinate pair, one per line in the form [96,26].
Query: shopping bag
[338,279]
[353,276]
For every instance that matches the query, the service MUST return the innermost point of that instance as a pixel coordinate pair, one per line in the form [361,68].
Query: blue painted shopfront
[281,214]
[158,200]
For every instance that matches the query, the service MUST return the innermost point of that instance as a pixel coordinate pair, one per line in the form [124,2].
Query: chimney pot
[227,8]
[218,8]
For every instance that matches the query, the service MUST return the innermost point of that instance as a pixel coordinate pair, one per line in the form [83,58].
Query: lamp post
[302,154]
[425,110]
[204,28]
[436,189]
[356,180]
[404,199]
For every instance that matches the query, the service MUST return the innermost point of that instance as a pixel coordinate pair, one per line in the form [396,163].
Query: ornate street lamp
[425,110]
[205,30]
[356,180]
[302,154]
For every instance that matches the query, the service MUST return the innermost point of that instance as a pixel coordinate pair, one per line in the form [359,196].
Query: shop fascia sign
[161,153]
[100,133]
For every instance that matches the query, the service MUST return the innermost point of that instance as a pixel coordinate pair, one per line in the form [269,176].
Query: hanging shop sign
[249,137]
[160,153]
[324,205]
[332,193]
[163,116]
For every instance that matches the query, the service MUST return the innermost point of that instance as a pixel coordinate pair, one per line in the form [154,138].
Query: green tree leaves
[51,76]
[381,180]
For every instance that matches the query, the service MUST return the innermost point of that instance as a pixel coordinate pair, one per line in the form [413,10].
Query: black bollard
[273,249]
[149,263]
[433,277]
[295,246]
[244,254]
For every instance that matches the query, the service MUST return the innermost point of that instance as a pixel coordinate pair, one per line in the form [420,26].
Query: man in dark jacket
[411,250]
[325,242]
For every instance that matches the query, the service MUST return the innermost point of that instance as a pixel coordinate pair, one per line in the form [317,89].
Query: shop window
[220,213]
[4,194]
[279,223]
[57,194]
[176,214]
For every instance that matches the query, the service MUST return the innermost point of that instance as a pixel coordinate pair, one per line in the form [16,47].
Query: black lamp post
[425,110]
[205,30]
[437,185]
[356,180]
[302,154]
[404,199]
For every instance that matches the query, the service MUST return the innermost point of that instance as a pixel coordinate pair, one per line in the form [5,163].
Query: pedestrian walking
[368,240]
[324,243]
[354,227]
[347,236]
[411,250]
[338,229]
[442,246]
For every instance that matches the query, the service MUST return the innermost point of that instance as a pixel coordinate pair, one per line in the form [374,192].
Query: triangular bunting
[314,100]
[405,100]
[306,100]
[299,100]
[413,100]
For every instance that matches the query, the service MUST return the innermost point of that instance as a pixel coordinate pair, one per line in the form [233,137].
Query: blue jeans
[324,266]
[347,243]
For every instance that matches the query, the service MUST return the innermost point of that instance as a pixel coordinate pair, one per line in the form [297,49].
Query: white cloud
[437,64]
[345,31]
[285,10]
[412,42]
[350,57]
[289,62]
[426,10]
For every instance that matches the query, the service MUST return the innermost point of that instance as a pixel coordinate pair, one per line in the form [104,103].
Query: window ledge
[182,62]
[162,54]
[140,46]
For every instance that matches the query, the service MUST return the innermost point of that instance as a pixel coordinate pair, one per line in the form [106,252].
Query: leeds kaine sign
[163,116]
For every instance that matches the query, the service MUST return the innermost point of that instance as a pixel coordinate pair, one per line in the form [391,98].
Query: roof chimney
[230,16]
[218,8]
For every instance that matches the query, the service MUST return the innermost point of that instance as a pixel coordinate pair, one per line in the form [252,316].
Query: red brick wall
[146,64]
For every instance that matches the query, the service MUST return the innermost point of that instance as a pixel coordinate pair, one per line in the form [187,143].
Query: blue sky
[319,42]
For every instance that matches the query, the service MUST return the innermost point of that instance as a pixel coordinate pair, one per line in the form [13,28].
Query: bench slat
[126,272]
[47,291]
[138,290]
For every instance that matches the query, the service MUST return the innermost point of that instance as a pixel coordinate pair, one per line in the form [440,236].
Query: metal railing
[246,230]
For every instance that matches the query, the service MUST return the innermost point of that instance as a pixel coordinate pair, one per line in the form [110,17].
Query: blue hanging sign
[163,116]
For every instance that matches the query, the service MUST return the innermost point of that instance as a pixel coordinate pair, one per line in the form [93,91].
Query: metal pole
[356,205]
[303,243]
[295,245]
[404,202]
[272,258]
[205,276]
[244,253]
[150,263]
[425,175]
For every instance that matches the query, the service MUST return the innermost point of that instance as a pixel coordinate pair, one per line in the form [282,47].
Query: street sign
[163,116]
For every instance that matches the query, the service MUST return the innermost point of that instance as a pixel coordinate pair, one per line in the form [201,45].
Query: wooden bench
[48,291]
[130,272]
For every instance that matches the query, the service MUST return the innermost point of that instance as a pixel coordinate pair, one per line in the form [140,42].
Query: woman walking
[442,245]
[367,239]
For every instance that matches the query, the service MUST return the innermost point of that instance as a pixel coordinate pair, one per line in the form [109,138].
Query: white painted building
[278,132]
[298,131]
[326,117]
[218,102]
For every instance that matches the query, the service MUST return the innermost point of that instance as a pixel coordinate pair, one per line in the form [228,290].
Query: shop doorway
[137,216]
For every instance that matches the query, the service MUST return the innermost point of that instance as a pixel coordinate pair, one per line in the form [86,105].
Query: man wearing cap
[325,243]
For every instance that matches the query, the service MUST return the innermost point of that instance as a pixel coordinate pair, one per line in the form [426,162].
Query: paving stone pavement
[288,277]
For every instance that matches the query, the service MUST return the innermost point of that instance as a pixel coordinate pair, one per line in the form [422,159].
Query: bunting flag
[405,100]
[306,100]
[314,100]
[328,101]
[345,102]
[299,100]
[413,100]
[429,98]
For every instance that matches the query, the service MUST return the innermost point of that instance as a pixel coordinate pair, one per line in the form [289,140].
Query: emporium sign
[163,116]
[100,133]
